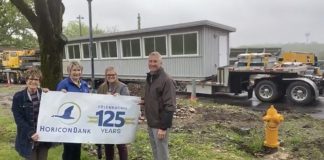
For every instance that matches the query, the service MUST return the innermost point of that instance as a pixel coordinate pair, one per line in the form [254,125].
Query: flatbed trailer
[268,86]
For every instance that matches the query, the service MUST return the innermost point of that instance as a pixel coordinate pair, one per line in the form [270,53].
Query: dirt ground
[301,136]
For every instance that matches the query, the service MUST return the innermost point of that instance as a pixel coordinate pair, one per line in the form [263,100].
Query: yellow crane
[14,62]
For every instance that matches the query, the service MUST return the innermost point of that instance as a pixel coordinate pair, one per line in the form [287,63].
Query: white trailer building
[191,50]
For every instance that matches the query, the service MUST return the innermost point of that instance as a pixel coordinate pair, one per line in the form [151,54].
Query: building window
[86,53]
[64,56]
[155,44]
[184,44]
[108,49]
[131,48]
[74,51]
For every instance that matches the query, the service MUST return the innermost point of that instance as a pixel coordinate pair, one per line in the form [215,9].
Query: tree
[15,30]
[72,29]
[45,17]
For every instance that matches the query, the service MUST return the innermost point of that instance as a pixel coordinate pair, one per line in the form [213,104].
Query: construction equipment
[269,80]
[308,58]
[15,62]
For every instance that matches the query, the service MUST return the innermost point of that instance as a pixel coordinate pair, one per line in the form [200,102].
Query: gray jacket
[159,99]
[118,87]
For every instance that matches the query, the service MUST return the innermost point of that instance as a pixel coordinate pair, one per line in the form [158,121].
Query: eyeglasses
[111,75]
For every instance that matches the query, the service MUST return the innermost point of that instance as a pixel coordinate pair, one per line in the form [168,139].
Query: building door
[223,51]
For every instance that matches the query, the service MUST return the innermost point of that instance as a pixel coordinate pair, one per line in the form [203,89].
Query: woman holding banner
[25,108]
[113,86]
[73,83]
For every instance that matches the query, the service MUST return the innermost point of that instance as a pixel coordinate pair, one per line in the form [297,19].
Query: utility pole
[307,36]
[91,47]
[138,21]
[80,17]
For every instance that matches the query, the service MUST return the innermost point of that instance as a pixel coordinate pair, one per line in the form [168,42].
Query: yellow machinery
[255,61]
[301,63]
[14,62]
[303,57]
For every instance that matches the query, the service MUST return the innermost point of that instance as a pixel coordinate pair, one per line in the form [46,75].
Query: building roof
[161,28]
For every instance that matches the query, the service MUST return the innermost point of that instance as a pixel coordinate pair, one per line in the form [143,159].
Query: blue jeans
[159,147]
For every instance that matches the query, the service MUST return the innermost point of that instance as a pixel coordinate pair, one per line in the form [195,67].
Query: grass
[9,89]
[182,145]
[301,136]
[7,132]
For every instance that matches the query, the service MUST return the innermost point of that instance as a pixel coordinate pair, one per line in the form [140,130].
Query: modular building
[191,50]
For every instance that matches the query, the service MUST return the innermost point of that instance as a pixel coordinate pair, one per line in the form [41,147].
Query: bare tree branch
[23,7]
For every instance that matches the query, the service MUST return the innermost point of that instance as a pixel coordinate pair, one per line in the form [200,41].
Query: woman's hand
[35,137]
[141,102]
[116,94]
[45,90]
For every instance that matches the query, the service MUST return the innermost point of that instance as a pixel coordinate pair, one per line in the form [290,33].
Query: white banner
[87,118]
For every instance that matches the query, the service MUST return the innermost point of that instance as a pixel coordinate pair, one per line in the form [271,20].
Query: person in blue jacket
[25,108]
[73,83]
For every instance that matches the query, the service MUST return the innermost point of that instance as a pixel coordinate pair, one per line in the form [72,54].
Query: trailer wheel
[12,78]
[19,81]
[300,93]
[266,91]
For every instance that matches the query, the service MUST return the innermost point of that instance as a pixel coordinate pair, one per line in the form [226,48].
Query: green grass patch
[10,89]
[7,132]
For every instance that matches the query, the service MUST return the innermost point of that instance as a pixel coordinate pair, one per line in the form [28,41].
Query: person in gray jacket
[159,105]
[113,86]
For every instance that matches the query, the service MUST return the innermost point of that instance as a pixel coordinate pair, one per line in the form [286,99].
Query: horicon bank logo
[68,113]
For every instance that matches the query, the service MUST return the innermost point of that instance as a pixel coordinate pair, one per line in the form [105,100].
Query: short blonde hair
[110,68]
[72,64]
[33,72]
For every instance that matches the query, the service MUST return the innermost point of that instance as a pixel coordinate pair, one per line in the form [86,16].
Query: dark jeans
[38,153]
[72,151]
[122,151]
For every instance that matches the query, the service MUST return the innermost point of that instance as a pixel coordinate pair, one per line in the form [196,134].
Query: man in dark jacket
[159,105]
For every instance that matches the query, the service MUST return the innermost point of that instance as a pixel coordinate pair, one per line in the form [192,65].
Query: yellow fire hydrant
[272,120]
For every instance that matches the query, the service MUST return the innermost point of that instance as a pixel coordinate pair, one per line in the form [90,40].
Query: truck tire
[300,93]
[266,91]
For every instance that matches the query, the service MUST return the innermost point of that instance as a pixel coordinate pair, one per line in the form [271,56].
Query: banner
[87,118]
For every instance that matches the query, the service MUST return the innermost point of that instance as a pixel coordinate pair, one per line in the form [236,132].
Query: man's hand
[161,134]
[35,137]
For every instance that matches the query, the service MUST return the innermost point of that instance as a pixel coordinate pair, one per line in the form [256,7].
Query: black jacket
[160,100]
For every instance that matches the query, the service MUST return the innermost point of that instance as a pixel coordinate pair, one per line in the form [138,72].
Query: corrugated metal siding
[211,51]
[180,68]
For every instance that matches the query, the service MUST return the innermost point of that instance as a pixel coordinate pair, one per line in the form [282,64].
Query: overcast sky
[256,21]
